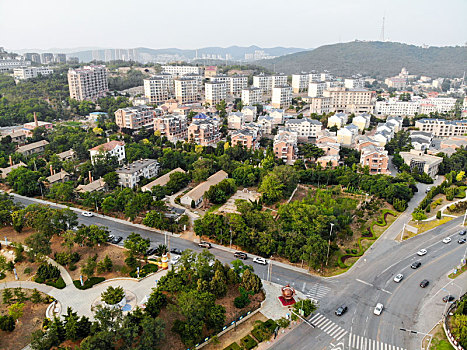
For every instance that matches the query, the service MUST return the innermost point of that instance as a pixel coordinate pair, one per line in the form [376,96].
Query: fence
[451,338]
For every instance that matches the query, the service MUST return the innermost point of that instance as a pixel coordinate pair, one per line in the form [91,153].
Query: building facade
[281,96]
[186,90]
[215,92]
[251,96]
[131,174]
[24,73]
[88,83]
[442,127]
[174,127]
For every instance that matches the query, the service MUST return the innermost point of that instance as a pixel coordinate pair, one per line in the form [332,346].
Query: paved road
[368,282]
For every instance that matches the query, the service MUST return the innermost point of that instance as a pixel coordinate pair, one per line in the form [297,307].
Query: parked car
[447,240]
[87,214]
[422,252]
[110,238]
[416,265]
[341,310]
[428,189]
[398,277]
[448,298]
[378,309]
[151,251]
[461,241]
[241,255]
[462,232]
[175,259]
[424,283]
[206,245]
[176,251]
[117,239]
[261,261]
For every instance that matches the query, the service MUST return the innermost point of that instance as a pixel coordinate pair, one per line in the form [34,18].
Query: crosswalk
[327,326]
[316,291]
[363,343]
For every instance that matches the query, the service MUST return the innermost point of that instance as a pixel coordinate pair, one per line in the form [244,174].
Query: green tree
[36,297]
[153,333]
[38,244]
[136,244]
[91,235]
[24,181]
[111,179]
[113,295]
[7,323]
[271,188]
[7,296]
[16,310]
[89,268]
[251,282]
[156,301]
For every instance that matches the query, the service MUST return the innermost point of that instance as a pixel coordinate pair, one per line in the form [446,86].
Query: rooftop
[108,146]
[197,192]
[136,166]
[162,180]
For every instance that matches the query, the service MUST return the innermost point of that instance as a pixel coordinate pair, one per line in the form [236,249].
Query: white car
[261,261]
[398,277]
[88,214]
[378,309]
[175,259]
[422,252]
[447,240]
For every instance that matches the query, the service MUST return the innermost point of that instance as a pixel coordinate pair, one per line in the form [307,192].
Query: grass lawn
[425,226]
[439,341]
[459,272]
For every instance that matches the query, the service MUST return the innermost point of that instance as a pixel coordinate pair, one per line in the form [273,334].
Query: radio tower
[382,31]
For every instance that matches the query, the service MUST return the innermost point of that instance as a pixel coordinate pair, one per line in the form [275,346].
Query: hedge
[144,271]
[248,342]
[2,275]
[88,283]
[233,346]
[59,283]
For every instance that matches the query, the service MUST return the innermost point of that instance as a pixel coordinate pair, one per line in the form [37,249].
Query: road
[370,281]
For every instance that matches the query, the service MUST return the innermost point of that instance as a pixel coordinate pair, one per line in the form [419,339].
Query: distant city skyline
[191,25]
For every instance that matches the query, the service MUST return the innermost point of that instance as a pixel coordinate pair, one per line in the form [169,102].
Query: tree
[153,333]
[157,300]
[418,215]
[89,268]
[16,310]
[24,181]
[7,296]
[38,244]
[7,323]
[251,282]
[36,297]
[91,235]
[17,218]
[216,318]
[306,305]
[111,179]
[112,296]
[271,188]
[136,244]
[218,284]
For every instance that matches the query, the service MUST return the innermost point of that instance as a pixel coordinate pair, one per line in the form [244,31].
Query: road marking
[364,343]
[385,291]
[368,284]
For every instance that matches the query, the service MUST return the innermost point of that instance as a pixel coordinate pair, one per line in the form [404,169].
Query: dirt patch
[33,315]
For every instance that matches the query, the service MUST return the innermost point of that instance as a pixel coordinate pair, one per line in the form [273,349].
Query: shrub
[88,283]
[7,323]
[306,305]
[27,270]
[47,272]
[59,283]
[233,346]
[438,215]
[283,322]
[248,342]
[72,267]
[243,300]
[263,330]
[144,271]
[112,296]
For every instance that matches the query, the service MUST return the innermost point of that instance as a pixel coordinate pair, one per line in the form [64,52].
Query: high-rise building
[156,89]
[267,82]
[47,58]
[88,83]
[350,100]
[251,96]
[215,92]
[33,57]
[300,82]
[135,117]
[59,58]
[237,83]
[281,97]
[316,89]
[182,70]
[186,90]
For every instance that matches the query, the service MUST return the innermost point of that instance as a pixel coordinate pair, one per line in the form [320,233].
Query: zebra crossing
[363,343]
[316,291]
[327,326]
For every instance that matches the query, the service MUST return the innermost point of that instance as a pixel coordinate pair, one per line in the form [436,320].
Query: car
[176,251]
[398,277]
[447,240]
[462,232]
[241,255]
[260,260]
[87,214]
[151,251]
[428,189]
[424,283]
[422,252]
[378,309]
[110,238]
[175,259]
[415,264]
[117,239]
[448,298]
[206,245]
[461,241]
[341,310]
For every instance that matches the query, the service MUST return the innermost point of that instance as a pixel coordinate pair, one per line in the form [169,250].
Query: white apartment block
[278,80]
[215,92]
[316,89]
[174,127]
[198,78]
[131,174]
[320,105]
[88,83]
[111,148]
[326,76]
[354,83]
[182,70]
[281,97]
[442,127]
[24,73]
[157,90]
[300,82]
[350,100]
[251,96]
[419,106]
[6,65]
[237,83]
[135,117]
[314,77]
[442,104]
[304,127]
[186,90]
[266,82]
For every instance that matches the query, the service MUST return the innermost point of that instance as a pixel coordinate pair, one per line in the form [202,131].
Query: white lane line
[353,341]
[350,340]
[385,291]
[368,284]
[361,343]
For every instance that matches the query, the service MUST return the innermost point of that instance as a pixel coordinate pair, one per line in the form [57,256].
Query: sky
[190,24]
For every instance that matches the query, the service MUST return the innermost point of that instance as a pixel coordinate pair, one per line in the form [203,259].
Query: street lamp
[465,216]
[329,244]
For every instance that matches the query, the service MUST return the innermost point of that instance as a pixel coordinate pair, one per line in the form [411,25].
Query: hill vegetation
[379,59]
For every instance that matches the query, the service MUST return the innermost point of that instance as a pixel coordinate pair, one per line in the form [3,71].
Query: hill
[374,59]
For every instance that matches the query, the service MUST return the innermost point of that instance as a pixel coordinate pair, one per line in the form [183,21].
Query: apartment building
[235,120]
[174,127]
[305,127]
[135,117]
[178,71]
[249,113]
[314,77]
[350,100]
[32,148]
[236,84]
[157,89]
[215,92]
[442,127]
[362,121]
[204,132]
[197,78]
[320,105]
[24,73]
[346,135]
[267,82]
[376,158]
[316,89]
[338,120]
[281,96]
[277,115]
[285,145]
[131,174]
[88,83]
[325,76]
[110,148]
[186,90]
[354,83]
[47,58]
[251,96]
[278,80]
[266,123]
[395,107]
[248,138]
[300,82]
[7,65]
[33,57]
[421,162]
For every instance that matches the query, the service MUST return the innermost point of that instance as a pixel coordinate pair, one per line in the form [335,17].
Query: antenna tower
[382,31]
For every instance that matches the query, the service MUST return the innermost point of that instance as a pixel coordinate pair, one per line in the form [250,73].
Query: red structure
[287,297]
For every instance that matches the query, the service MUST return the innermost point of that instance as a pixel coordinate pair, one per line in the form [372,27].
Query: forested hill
[374,59]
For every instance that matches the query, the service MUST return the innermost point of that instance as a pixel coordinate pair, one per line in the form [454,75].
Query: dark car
[204,245]
[176,251]
[241,255]
[341,310]
[461,241]
[448,298]
[416,265]
[151,251]
[117,239]
[424,283]
[462,232]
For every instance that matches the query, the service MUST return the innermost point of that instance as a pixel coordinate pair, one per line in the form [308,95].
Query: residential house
[285,145]
[338,120]
[421,140]
[416,159]
[196,195]
[162,180]
[362,121]
[93,186]
[267,124]
[61,176]
[129,175]
[33,148]
[277,115]
[346,135]
[236,120]
[376,158]
[5,171]
[204,132]
[174,127]
[67,155]
[111,149]
[305,127]
[249,113]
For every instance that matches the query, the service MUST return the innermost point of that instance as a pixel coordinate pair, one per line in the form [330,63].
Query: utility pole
[329,244]
[465,216]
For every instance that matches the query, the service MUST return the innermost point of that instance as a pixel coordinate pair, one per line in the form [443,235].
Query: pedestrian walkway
[363,343]
[327,326]
[316,291]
